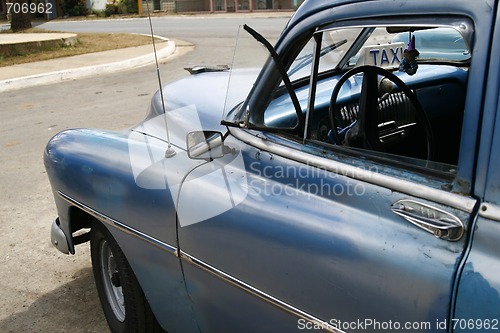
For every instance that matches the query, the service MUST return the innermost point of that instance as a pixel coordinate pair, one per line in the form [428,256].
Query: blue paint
[325,243]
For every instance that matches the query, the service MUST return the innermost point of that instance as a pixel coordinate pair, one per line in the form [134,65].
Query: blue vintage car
[350,185]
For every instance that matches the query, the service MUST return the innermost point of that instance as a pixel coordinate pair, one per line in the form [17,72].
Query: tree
[20,21]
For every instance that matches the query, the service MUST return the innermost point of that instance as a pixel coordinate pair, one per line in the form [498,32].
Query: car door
[322,247]
[478,297]
[296,236]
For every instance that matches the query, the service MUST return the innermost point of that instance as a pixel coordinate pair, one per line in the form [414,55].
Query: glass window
[334,45]
[392,94]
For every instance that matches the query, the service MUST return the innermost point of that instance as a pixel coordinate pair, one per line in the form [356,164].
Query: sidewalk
[69,68]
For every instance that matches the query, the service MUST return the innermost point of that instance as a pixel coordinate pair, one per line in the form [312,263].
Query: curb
[76,73]
[12,44]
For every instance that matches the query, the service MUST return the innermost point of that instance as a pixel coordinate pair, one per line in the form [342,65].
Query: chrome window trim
[114,223]
[454,200]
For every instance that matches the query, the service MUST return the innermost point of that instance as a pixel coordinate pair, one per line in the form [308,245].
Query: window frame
[445,178]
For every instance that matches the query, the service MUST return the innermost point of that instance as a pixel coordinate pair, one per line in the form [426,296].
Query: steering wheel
[364,131]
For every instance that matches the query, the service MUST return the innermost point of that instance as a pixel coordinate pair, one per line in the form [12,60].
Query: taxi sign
[382,55]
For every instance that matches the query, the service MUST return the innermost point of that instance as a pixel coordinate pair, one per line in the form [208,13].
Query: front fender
[122,176]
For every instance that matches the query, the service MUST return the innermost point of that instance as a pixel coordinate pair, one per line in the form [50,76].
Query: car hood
[195,103]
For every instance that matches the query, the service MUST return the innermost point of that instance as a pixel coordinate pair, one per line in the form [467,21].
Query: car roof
[309,7]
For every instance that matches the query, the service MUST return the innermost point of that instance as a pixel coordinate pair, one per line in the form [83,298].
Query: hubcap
[112,283]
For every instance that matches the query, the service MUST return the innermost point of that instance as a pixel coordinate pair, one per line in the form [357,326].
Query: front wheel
[124,304]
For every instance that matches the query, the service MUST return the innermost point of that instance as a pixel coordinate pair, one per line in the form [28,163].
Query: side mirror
[205,145]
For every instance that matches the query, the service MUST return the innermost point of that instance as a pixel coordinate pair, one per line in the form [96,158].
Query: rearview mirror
[205,145]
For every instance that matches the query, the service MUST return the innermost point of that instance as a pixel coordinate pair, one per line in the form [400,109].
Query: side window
[394,95]
[280,112]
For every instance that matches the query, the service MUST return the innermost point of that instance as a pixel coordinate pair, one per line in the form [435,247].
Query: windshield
[334,46]
[248,58]
[382,47]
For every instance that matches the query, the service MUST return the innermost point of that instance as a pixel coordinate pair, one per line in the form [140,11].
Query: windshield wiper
[307,59]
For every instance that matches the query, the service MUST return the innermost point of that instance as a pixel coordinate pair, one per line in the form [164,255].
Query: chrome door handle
[431,219]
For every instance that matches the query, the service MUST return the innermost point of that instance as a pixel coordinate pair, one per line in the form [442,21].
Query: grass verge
[87,43]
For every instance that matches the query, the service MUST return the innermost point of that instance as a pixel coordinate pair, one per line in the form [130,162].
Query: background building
[180,6]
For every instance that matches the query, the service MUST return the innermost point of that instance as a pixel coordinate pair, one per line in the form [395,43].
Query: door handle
[431,219]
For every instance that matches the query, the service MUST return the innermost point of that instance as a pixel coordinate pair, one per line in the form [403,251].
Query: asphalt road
[42,290]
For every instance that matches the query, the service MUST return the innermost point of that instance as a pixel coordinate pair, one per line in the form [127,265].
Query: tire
[123,302]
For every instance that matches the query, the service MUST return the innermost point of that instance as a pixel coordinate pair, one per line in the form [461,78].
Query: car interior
[396,93]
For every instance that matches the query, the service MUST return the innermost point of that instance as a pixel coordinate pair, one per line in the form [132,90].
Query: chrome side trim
[463,203]
[259,293]
[114,223]
[490,211]
[206,267]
